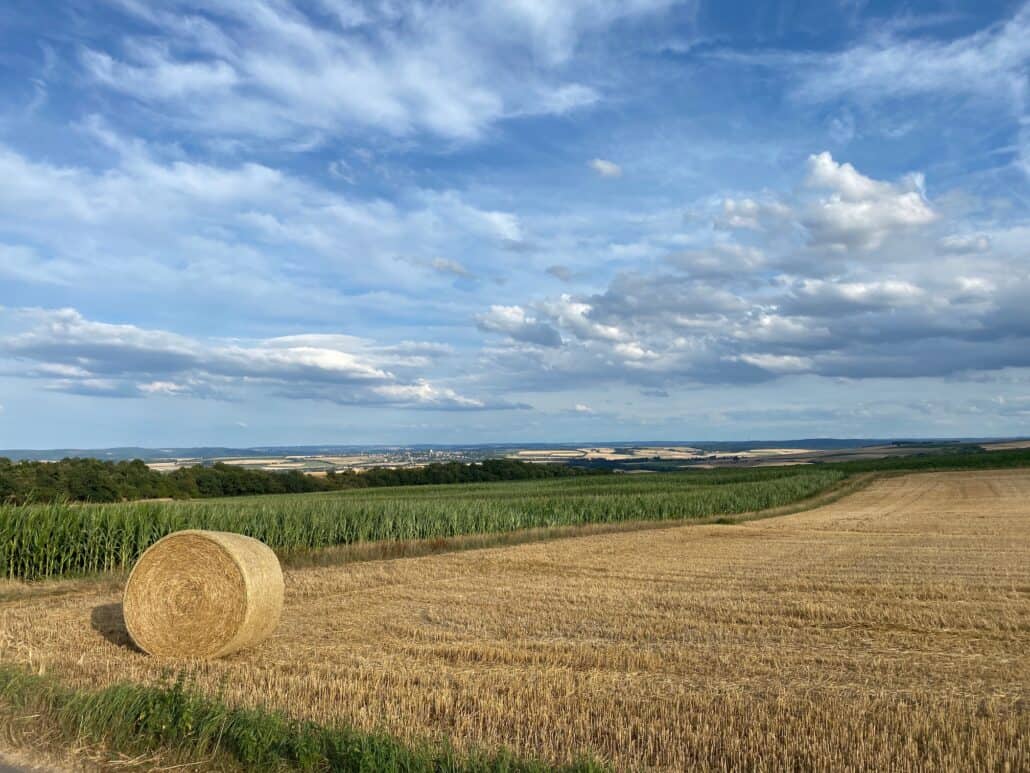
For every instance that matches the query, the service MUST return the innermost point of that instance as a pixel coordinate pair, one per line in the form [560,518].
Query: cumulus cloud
[514,322]
[860,211]
[819,297]
[576,316]
[606,168]
[842,277]
[721,260]
[845,209]
[752,214]
[71,353]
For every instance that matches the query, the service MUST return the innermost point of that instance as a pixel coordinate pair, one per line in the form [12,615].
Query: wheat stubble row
[887,630]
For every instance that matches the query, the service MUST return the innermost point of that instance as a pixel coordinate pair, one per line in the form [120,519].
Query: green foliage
[52,540]
[92,480]
[135,719]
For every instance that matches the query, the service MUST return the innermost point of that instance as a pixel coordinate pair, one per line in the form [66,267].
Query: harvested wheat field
[889,630]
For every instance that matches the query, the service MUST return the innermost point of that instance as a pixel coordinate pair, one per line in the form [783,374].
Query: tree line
[93,480]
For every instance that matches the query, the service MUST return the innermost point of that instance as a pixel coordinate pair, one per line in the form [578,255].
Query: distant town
[625,457]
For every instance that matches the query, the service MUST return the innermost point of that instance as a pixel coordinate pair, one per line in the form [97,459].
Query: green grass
[55,540]
[172,720]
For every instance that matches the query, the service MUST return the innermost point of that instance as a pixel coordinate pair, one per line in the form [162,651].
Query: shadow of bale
[109,621]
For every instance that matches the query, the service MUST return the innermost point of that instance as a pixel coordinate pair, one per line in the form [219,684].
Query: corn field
[44,541]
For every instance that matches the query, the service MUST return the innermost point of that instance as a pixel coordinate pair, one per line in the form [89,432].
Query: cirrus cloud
[272,70]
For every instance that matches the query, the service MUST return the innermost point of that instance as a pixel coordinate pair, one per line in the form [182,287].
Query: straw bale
[203,594]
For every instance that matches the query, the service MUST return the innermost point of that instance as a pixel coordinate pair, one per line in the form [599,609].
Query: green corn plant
[44,541]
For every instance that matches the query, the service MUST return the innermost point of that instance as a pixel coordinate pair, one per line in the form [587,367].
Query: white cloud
[721,260]
[245,234]
[962,244]
[73,354]
[851,210]
[818,297]
[990,65]
[340,169]
[606,168]
[443,211]
[425,394]
[555,28]
[752,214]
[453,267]
[844,179]
[514,322]
[778,363]
[842,277]
[159,78]
[634,352]
[505,225]
[163,388]
[266,68]
[575,316]
[861,212]
[992,61]
[777,329]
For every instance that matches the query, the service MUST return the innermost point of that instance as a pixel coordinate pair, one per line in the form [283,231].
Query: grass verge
[162,726]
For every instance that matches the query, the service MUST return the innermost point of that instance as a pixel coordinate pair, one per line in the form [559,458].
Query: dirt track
[889,629]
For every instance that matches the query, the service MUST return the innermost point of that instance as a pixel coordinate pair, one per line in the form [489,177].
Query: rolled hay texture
[203,594]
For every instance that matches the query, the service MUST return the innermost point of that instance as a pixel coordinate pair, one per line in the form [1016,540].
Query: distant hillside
[126,453]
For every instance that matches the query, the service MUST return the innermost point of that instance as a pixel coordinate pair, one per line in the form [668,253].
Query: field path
[887,630]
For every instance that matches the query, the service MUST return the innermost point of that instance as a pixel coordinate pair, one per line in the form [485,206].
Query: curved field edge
[51,541]
[129,725]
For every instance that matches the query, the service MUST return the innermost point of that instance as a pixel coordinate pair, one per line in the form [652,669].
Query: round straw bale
[203,594]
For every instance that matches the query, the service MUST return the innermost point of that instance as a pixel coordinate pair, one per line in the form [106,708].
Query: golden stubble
[887,630]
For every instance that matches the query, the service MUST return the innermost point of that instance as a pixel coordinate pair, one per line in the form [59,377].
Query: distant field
[1012,445]
[887,631]
[45,541]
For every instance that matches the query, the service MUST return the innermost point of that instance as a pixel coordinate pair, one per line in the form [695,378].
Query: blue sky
[262,221]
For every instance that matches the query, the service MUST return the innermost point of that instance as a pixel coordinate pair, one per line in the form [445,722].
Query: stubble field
[888,630]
